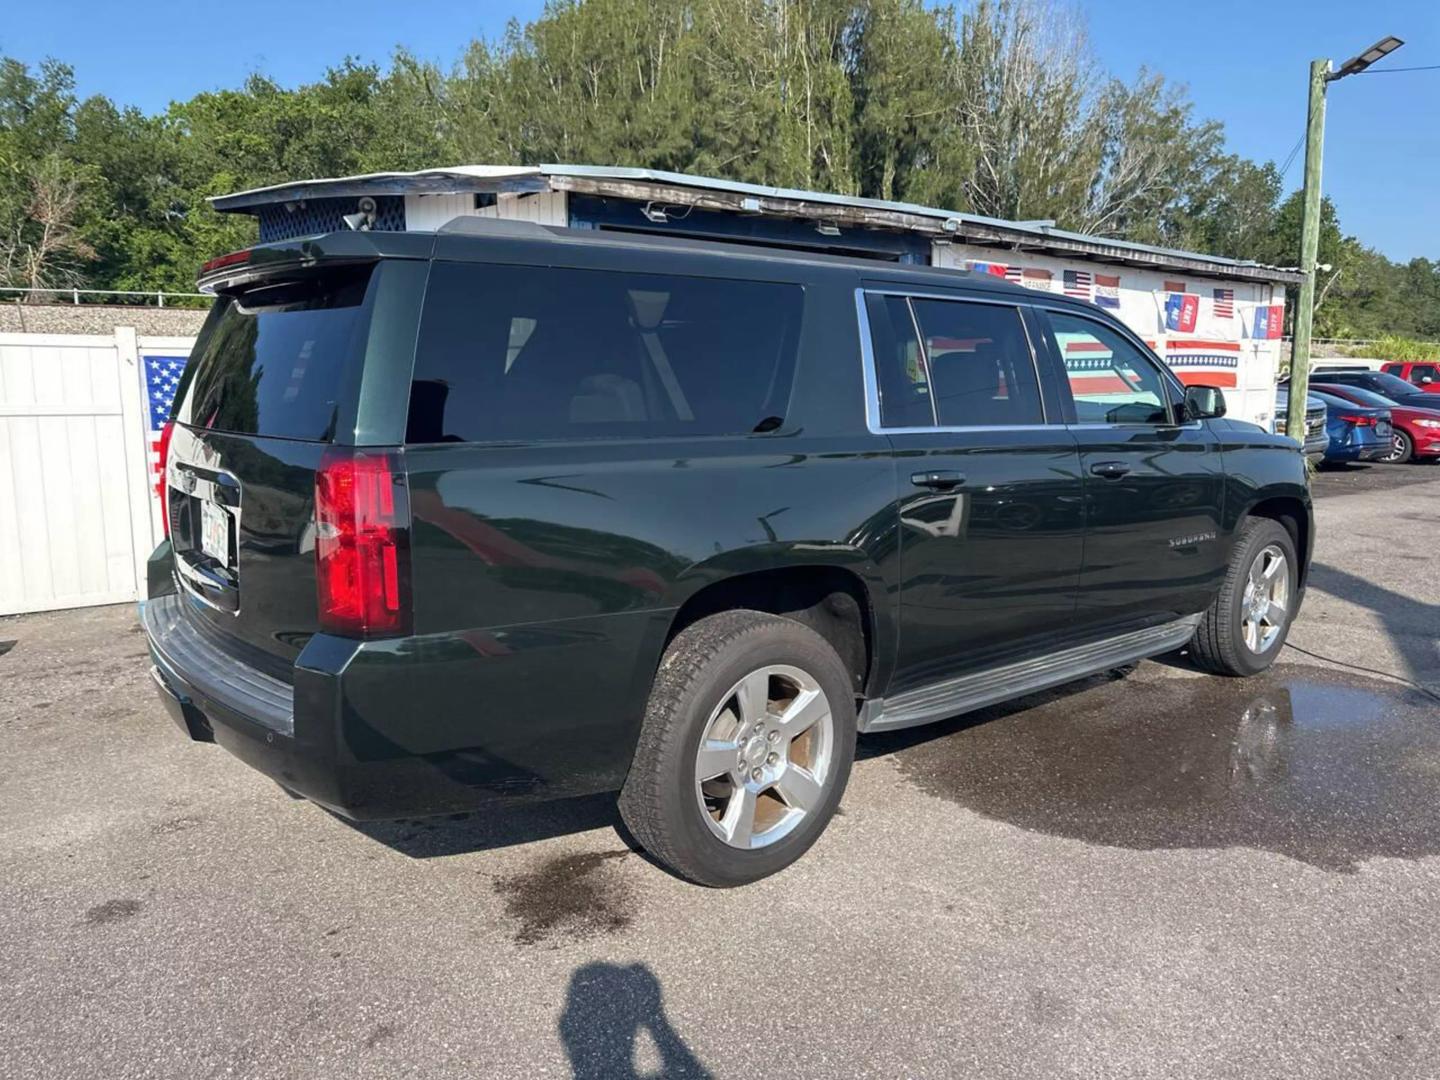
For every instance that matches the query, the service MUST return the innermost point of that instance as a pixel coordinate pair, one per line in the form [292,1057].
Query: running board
[967,692]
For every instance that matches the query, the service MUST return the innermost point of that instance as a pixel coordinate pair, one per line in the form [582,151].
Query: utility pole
[1309,252]
[1320,77]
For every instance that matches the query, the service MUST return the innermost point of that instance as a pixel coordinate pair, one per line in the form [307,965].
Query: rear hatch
[278,386]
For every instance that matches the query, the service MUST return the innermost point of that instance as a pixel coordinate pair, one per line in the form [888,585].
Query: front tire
[1402,448]
[745,749]
[1245,626]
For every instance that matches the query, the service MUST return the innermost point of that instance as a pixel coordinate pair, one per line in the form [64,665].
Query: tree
[999,108]
[42,248]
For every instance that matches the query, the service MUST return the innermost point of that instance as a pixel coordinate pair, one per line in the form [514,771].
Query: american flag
[162,378]
[1077,284]
[1224,303]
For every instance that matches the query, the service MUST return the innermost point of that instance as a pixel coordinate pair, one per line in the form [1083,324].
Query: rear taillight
[1358,421]
[162,485]
[362,543]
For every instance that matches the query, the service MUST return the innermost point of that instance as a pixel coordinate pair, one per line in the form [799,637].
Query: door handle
[941,480]
[1111,470]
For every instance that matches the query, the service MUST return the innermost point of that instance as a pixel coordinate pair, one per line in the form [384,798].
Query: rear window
[538,353]
[275,359]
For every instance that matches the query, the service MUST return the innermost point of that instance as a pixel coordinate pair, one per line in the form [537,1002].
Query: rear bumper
[411,726]
[214,698]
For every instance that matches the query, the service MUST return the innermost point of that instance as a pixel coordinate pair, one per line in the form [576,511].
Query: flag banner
[1077,284]
[1181,310]
[1091,367]
[162,378]
[1224,303]
[1174,286]
[1037,279]
[1203,363]
[1107,290]
[1014,274]
[998,269]
[1269,322]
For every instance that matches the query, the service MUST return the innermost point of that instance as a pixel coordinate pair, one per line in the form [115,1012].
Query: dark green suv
[513,512]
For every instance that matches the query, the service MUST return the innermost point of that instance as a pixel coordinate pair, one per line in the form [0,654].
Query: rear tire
[745,749]
[1245,626]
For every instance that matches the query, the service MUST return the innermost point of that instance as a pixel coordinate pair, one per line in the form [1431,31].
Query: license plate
[215,532]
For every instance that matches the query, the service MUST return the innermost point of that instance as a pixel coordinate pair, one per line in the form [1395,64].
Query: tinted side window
[533,353]
[1111,380]
[902,380]
[981,370]
[1423,373]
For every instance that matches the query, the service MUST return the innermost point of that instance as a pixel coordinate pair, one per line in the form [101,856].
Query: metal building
[1215,320]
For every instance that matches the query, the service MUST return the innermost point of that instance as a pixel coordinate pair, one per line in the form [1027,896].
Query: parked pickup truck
[1422,373]
[516,512]
[1317,423]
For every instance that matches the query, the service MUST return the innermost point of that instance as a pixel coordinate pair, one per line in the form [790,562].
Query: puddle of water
[571,895]
[1325,768]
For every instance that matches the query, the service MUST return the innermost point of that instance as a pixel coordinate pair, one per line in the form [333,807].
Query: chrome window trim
[924,351]
[870,375]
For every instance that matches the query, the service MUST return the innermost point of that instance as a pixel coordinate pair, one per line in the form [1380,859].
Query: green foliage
[1393,347]
[996,107]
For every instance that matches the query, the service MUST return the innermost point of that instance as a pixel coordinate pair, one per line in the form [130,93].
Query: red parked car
[1422,373]
[1415,432]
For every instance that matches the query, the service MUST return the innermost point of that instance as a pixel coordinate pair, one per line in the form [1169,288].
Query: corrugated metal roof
[965,226]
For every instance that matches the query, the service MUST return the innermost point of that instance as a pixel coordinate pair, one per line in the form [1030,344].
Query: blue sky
[1244,62]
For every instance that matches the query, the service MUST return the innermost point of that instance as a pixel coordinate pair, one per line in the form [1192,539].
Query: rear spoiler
[239,268]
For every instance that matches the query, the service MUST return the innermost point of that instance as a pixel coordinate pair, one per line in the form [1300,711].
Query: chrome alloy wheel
[1399,447]
[1265,605]
[765,756]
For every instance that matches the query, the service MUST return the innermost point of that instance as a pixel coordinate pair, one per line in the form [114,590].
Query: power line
[1392,71]
[1290,157]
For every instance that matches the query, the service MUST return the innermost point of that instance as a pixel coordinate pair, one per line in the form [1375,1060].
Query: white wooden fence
[77,514]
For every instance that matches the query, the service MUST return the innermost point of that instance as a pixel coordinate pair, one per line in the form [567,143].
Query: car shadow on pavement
[608,1007]
[1412,625]
[504,826]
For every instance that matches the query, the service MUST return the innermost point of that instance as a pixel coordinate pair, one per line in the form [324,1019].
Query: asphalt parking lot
[1160,874]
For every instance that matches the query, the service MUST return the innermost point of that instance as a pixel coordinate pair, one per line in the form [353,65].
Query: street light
[1320,76]
[1356,64]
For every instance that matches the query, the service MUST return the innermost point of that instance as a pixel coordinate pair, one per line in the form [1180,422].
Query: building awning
[669,189]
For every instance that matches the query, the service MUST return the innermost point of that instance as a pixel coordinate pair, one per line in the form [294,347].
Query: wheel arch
[1294,515]
[840,599]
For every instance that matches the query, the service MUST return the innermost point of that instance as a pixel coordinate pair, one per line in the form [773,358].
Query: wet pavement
[1160,874]
[1371,476]
[1328,768]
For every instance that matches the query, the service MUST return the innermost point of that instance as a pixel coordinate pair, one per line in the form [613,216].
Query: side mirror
[1204,403]
[1426,379]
